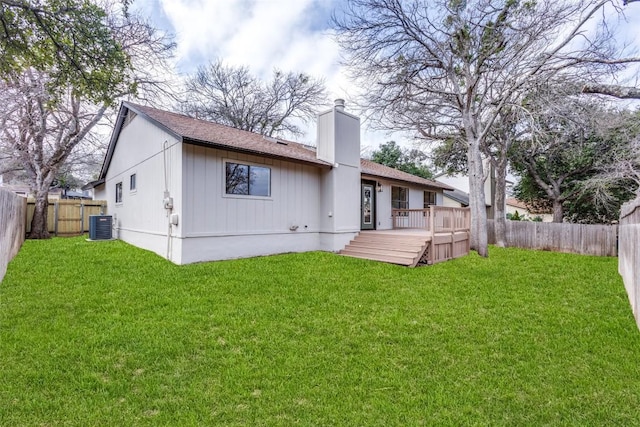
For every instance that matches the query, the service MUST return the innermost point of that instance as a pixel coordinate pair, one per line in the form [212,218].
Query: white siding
[141,218]
[198,249]
[451,203]
[416,201]
[294,200]
[220,226]
[383,208]
[416,198]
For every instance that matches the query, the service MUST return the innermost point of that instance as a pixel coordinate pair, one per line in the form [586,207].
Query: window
[429,198]
[399,198]
[132,182]
[119,192]
[248,180]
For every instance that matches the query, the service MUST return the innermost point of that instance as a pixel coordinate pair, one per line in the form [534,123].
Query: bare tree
[42,127]
[617,179]
[441,66]
[235,97]
[622,92]
[505,132]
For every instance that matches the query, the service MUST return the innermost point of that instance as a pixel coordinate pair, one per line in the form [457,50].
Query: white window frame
[426,202]
[133,176]
[406,200]
[119,193]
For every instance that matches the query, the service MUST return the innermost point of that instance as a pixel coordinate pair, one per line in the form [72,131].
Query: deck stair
[408,249]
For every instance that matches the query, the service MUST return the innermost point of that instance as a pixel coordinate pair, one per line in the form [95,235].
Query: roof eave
[115,135]
[437,185]
[92,184]
[317,163]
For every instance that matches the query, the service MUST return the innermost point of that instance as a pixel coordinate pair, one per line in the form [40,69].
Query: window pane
[237,178]
[119,192]
[366,205]
[429,198]
[399,199]
[132,182]
[260,181]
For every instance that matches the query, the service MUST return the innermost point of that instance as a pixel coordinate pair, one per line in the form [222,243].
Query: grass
[107,334]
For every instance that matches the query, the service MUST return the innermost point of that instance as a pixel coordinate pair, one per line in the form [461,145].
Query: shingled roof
[377,170]
[201,132]
[207,133]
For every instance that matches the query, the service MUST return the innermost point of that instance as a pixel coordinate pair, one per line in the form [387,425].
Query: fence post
[55,218]
[432,222]
[81,216]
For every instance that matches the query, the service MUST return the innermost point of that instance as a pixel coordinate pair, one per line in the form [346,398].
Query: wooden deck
[442,234]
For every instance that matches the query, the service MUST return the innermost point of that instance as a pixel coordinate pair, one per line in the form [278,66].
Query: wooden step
[379,251]
[396,248]
[382,258]
[392,240]
[391,237]
[399,246]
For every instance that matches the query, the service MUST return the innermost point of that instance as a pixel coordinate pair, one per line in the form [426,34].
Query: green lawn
[99,334]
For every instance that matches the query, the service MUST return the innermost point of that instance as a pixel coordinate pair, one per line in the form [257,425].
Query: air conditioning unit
[100,227]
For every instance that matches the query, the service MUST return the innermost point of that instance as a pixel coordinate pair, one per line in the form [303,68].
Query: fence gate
[68,217]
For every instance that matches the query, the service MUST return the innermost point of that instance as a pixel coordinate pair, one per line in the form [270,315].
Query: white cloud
[262,34]
[291,35]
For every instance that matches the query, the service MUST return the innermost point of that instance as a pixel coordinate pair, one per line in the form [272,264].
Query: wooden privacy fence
[68,217]
[629,257]
[586,239]
[13,210]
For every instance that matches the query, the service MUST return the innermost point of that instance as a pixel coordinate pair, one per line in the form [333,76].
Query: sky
[291,35]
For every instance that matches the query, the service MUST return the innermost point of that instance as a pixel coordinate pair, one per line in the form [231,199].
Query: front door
[367,207]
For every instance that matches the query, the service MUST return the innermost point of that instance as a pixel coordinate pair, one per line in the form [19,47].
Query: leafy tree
[233,96]
[516,216]
[443,67]
[410,161]
[71,40]
[45,120]
[563,160]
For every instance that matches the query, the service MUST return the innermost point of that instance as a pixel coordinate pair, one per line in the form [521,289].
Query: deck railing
[448,228]
[437,219]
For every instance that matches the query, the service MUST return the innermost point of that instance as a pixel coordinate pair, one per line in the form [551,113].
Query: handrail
[437,219]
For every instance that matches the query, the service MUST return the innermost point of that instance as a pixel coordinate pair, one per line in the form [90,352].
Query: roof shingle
[216,135]
[207,133]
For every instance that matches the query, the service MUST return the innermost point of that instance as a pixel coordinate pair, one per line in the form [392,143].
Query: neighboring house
[459,197]
[192,190]
[515,205]
[55,193]
[455,199]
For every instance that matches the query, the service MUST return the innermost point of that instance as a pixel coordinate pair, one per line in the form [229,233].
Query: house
[192,190]
[455,198]
[459,195]
[515,205]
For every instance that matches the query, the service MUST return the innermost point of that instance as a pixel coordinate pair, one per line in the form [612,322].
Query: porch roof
[377,170]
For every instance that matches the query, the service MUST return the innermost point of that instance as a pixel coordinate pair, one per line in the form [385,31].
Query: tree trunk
[558,212]
[500,217]
[39,229]
[477,202]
